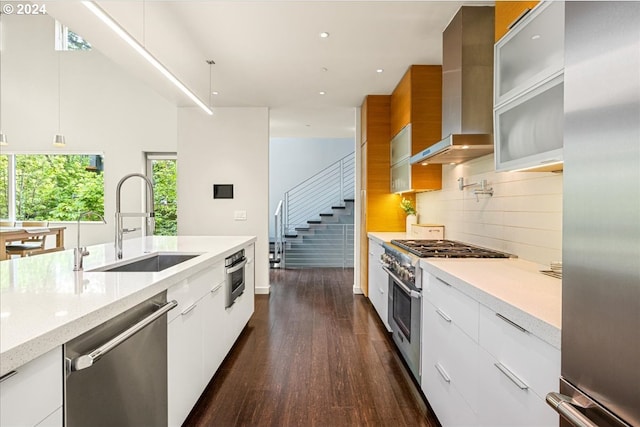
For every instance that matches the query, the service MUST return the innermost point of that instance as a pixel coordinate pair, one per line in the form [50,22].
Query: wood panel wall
[506,12]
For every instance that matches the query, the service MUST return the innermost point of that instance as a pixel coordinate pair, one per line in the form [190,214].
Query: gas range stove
[447,249]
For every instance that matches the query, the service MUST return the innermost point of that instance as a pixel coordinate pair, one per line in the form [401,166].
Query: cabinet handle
[444,316]
[440,280]
[442,372]
[519,18]
[565,406]
[381,290]
[512,323]
[188,309]
[7,376]
[517,381]
[214,290]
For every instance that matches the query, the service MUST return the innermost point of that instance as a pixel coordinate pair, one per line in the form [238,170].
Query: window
[52,187]
[66,39]
[162,170]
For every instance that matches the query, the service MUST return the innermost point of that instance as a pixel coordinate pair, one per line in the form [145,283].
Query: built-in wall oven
[405,306]
[235,279]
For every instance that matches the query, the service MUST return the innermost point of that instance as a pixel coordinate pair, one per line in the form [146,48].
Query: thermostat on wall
[223,191]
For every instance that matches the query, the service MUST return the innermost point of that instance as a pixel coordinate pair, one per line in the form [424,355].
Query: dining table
[17,234]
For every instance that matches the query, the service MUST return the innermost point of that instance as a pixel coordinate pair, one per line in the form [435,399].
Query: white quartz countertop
[387,236]
[44,303]
[512,287]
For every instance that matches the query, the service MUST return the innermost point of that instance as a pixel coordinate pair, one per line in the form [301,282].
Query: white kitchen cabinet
[529,92]
[214,349]
[33,395]
[185,380]
[378,283]
[478,367]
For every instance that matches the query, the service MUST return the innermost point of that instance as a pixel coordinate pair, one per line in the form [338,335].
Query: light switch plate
[240,215]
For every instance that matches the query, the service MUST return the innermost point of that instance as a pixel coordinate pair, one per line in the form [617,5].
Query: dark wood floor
[313,354]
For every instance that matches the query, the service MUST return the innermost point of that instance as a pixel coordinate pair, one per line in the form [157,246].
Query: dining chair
[31,245]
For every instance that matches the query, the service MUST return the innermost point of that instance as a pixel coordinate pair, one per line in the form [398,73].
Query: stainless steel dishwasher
[116,373]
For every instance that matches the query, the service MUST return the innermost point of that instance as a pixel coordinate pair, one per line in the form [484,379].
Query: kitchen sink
[152,263]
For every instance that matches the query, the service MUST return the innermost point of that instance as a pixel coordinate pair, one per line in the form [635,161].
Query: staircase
[315,226]
[323,242]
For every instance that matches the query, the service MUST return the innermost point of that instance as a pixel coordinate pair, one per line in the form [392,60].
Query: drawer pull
[512,323]
[442,373]
[517,381]
[188,309]
[7,376]
[440,280]
[444,316]
[214,290]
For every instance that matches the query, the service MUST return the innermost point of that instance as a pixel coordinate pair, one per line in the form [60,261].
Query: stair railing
[278,218]
[319,193]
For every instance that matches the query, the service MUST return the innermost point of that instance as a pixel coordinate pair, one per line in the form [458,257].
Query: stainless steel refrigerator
[600,383]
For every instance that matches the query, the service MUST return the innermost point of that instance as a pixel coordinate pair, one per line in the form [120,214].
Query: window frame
[11,178]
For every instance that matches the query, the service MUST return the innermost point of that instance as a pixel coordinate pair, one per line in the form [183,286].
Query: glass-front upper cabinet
[529,92]
[400,155]
[532,52]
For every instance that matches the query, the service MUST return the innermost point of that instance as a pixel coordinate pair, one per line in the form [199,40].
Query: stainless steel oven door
[405,311]
[235,281]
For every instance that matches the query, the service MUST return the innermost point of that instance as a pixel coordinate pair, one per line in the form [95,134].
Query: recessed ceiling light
[324,34]
[452,163]
[322,92]
[215,92]
[535,37]
[379,70]
[424,163]
[465,147]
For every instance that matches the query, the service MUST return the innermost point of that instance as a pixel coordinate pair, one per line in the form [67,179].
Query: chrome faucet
[149,213]
[80,252]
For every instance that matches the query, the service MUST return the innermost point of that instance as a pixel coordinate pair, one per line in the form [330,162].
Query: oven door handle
[396,279]
[236,267]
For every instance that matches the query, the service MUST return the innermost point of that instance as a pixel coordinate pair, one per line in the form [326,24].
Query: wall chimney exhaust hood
[467,89]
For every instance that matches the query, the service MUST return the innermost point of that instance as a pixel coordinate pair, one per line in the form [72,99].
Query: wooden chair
[30,246]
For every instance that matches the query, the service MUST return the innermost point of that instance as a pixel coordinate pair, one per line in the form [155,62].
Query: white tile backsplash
[523,217]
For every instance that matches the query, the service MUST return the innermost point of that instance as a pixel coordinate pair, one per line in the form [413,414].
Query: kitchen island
[44,303]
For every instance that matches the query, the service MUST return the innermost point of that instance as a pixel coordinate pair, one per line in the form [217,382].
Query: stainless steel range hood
[467,89]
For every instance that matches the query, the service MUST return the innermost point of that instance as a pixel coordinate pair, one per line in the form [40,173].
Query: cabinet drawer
[190,290]
[444,398]
[375,250]
[502,402]
[455,352]
[461,309]
[534,361]
[34,392]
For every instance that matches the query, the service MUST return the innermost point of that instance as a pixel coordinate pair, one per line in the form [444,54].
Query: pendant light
[211,63]
[58,140]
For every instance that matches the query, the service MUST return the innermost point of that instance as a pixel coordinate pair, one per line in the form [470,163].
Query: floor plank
[313,354]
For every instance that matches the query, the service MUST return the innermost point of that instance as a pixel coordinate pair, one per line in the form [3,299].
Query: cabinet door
[401,145]
[185,380]
[530,129]
[505,399]
[34,392]
[401,177]
[508,13]
[214,347]
[531,53]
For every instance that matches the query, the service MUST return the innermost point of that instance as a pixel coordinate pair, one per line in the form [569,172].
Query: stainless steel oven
[405,310]
[235,280]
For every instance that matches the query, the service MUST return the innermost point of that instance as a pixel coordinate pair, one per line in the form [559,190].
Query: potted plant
[412,215]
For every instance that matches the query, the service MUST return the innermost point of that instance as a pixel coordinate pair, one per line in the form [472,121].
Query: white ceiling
[269,53]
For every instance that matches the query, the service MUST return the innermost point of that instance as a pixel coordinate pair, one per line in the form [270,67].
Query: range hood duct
[467,89]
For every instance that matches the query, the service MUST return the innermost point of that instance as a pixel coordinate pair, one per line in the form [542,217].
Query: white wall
[524,216]
[103,109]
[230,147]
[292,160]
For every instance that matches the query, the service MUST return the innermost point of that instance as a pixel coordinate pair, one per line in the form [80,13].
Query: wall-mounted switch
[240,215]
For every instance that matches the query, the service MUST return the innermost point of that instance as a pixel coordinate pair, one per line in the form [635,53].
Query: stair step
[303,229]
[290,236]
[349,200]
[314,221]
[338,207]
[326,214]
